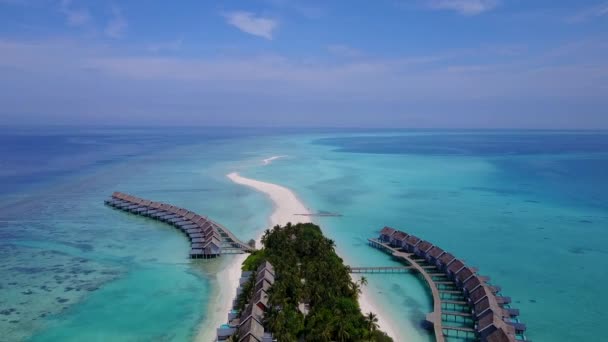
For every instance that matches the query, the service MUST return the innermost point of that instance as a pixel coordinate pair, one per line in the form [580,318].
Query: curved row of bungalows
[495,320]
[251,328]
[205,240]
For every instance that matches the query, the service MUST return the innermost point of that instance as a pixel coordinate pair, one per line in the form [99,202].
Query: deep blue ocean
[528,208]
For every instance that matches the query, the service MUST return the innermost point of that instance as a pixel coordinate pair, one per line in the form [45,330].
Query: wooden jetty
[465,305]
[208,239]
[387,269]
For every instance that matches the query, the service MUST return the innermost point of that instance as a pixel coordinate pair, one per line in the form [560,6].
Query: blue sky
[393,63]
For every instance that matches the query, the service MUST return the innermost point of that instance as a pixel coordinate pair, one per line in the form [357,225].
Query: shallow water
[533,219]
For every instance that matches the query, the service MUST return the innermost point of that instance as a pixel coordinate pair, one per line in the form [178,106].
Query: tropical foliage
[309,274]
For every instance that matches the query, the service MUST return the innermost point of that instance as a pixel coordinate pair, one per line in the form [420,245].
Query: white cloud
[466,7]
[117,25]
[252,24]
[110,79]
[75,17]
[589,13]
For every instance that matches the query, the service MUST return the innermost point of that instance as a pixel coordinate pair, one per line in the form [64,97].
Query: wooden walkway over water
[465,306]
[389,269]
[208,239]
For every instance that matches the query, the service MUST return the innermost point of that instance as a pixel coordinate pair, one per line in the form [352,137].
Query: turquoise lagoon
[529,209]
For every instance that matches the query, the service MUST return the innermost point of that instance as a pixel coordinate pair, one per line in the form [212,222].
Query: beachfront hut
[265,274]
[224,332]
[253,311]
[422,248]
[251,330]
[386,233]
[263,285]
[266,266]
[411,242]
[260,299]
[398,239]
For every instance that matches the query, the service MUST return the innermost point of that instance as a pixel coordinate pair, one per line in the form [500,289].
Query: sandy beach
[286,205]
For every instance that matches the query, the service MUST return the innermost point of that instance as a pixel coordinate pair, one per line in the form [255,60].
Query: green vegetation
[308,271]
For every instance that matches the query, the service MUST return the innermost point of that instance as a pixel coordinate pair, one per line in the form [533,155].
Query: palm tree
[356,288]
[341,331]
[372,322]
[363,281]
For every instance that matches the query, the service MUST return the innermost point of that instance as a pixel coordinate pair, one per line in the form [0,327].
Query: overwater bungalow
[497,335]
[480,308]
[398,239]
[493,320]
[454,267]
[195,236]
[386,233]
[478,294]
[192,231]
[212,248]
[471,284]
[423,248]
[432,256]
[463,275]
[445,260]
[411,242]
[185,225]
[205,243]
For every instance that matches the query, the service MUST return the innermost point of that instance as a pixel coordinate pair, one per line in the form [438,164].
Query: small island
[310,295]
